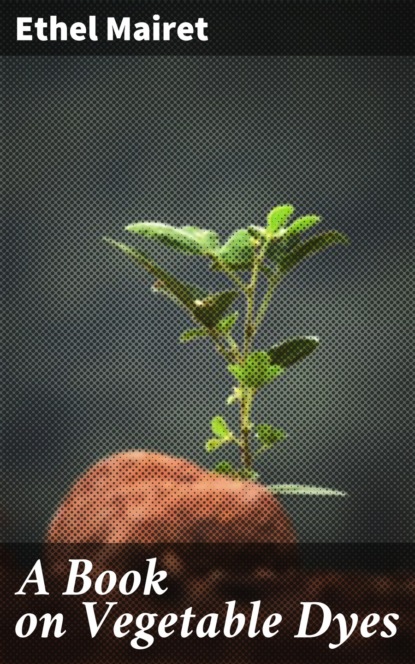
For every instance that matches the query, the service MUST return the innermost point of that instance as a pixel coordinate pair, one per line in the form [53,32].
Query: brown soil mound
[145,497]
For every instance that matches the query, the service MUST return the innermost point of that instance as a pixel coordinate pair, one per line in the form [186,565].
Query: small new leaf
[213,444]
[302,224]
[292,351]
[257,370]
[278,217]
[226,324]
[303,490]
[191,335]
[225,468]
[269,435]
[220,428]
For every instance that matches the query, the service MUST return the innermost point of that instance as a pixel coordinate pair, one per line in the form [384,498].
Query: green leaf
[211,309]
[279,247]
[302,224]
[278,217]
[311,246]
[225,468]
[206,309]
[303,490]
[185,293]
[192,334]
[238,250]
[226,324]
[267,271]
[248,474]
[269,435]
[209,240]
[189,239]
[237,371]
[257,370]
[273,372]
[220,428]
[213,444]
[292,351]
[257,232]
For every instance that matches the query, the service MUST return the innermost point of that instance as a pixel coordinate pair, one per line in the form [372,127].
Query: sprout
[247,257]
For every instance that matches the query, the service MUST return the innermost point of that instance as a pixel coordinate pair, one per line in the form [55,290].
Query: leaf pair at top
[278,218]
[237,252]
[208,310]
[289,250]
[285,247]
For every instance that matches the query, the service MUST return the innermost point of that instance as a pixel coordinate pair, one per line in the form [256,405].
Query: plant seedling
[247,257]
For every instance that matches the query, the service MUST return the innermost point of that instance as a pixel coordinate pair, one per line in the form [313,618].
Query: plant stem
[228,354]
[246,403]
[250,330]
[239,283]
[272,284]
[251,326]
[234,348]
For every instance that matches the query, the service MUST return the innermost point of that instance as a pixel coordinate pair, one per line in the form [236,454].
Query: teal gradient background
[92,359]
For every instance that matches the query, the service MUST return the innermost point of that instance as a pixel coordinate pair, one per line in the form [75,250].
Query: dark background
[92,362]
[248,27]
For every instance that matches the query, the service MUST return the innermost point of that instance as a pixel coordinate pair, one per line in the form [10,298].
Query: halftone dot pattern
[93,364]
[142,497]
